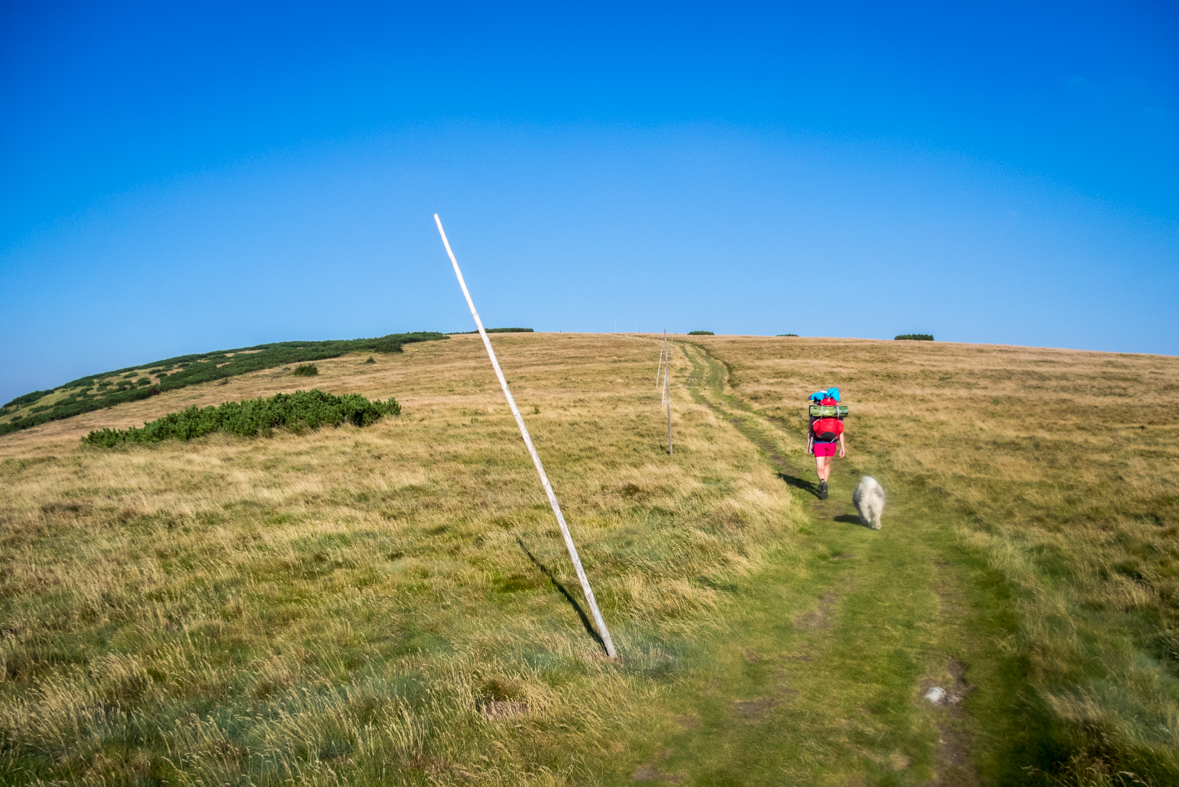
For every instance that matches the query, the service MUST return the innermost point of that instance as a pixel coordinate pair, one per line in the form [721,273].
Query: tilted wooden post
[544,479]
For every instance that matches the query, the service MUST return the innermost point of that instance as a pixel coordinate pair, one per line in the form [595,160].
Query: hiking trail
[822,670]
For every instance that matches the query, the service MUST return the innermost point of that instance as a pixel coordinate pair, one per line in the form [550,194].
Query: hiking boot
[822,490]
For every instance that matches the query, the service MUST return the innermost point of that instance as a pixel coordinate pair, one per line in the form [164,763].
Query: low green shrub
[916,337]
[795,335]
[370,360]
[701,333]
[493,330]
[306,370]
[301,409]
[28,398]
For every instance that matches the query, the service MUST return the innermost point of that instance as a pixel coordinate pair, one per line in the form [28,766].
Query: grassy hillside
[394,604]
[98,391]
[1059,469]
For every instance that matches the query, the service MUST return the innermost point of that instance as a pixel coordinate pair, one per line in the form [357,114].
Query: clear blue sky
[183,177]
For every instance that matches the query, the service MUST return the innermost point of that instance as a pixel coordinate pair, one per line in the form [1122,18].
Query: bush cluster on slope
[916,337]
[302,409]
[186,370]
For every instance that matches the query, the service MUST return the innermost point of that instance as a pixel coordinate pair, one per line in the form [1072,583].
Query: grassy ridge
[393,605]
[358,607]
[1057,468]
[136,383]
[493,330]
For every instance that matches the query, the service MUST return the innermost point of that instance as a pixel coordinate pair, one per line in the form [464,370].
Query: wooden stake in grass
[667,397]
[544,479]
[667,365]
[659,368]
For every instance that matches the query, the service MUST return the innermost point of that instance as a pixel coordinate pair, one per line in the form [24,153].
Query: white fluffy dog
[869,500]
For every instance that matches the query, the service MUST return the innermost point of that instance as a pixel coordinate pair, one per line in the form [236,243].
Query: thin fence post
[544,479]
[666,365]
[667,396]
[659,368]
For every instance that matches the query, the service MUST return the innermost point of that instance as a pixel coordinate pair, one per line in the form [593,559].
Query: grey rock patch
[936,695]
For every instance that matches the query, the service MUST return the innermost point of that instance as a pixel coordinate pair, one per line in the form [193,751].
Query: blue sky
[185,177]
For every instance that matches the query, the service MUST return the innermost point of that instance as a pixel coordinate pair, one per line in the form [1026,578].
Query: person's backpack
[828,415]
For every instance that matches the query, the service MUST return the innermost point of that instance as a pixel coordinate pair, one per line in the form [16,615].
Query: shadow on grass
[798,483]
[851,519]
[585,621]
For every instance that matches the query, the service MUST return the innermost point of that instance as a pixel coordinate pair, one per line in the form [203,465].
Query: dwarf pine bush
[916,337]
[301,409]
[701,333]
[306,370]
[116,387]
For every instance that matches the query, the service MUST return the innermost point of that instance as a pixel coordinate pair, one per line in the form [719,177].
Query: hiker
[826,431]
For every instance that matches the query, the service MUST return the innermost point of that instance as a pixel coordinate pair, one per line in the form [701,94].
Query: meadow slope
[393,604]
[1060,470]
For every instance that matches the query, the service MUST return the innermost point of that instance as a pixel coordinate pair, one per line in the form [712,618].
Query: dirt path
[821,677]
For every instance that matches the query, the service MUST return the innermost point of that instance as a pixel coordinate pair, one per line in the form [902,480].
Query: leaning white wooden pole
[544,479]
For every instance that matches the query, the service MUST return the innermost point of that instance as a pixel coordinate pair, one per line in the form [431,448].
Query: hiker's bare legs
[823,463]
[823,467]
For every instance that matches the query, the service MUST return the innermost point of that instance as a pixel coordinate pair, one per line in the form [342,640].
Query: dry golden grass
[377,605]
[339,606]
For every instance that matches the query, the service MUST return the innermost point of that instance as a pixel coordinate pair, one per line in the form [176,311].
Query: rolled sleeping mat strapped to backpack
[828,411]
